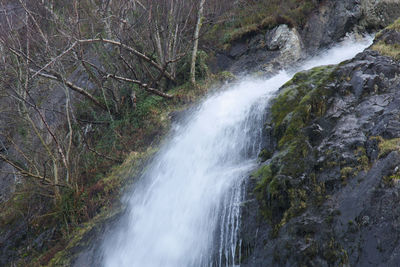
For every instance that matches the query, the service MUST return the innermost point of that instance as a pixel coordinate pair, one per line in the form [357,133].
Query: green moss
[362,159]
[298,199]
[394,26]
[352,170]
[386,145]
[346,173]
[331,164]
[264,155]
[391,50]
[334,254]
[301,101]
[391,180]
[274,188]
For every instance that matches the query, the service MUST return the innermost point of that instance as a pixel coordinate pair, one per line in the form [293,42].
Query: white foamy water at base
[185,209]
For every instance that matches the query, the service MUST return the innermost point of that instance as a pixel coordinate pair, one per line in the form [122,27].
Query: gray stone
[360,219]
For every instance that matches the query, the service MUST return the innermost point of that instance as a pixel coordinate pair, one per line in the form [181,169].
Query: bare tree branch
[57,77]
[55,59]
[144,85]
[133,51]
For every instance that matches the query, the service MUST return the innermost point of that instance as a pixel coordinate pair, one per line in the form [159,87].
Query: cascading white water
[185,209]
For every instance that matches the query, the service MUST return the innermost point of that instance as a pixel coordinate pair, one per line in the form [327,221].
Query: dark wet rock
[177,116]
[222,62]
[389,37]
[269,52]
[280,47]
[330,23]
[314,133]
[346,193]
[238,50]
[379,13]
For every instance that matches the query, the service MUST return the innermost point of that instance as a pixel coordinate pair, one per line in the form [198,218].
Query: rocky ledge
[268,50]
[328,189]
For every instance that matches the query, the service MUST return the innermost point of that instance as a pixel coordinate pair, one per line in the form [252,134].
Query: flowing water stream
[185,209]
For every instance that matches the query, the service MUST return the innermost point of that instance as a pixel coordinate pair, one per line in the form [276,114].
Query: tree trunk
[196,42]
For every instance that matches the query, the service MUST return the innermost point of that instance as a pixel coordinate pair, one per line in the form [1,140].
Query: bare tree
[54,43]
[196,42]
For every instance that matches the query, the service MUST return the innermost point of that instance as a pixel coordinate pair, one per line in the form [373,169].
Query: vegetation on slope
[250,18]
[387,43]
[302,100]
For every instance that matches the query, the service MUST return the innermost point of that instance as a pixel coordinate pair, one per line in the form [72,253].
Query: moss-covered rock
[388,41]
[280,189]
[331,185]
[386,145]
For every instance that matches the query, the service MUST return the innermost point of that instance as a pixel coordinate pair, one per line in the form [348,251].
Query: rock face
[267,52]
[379,13]
[281,46]
[331,22]
[289,44]
[329,195]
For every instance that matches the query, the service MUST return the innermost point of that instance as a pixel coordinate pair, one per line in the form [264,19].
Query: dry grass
[252,17]
[395,26]
[391,50]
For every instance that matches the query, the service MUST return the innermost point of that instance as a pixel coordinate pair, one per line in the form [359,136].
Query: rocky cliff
[269,50]
[328,190]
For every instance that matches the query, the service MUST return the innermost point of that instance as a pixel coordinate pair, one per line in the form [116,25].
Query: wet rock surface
[279,47]
[379,13]
[353,156]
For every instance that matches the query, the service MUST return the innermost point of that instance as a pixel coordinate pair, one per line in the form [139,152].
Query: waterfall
[185,208]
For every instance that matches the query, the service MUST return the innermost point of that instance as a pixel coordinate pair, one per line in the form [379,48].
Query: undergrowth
[254,17]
